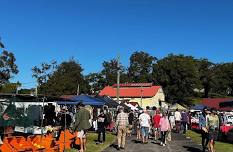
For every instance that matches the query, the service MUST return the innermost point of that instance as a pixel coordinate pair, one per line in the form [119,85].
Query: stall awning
[198,107]
[85,99]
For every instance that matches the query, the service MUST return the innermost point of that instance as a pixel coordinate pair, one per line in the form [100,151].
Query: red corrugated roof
[214,103]
[130,91]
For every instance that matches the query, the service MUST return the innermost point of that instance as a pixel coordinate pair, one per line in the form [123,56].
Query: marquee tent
[198,107]
[177,106]
[85,99]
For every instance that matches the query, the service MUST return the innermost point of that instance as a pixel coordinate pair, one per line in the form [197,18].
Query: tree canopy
[178,75]
[141,65]
[63,79]
[8,67]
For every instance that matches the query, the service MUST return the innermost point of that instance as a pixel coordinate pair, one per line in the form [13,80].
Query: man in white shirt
[177,120]
[145,122]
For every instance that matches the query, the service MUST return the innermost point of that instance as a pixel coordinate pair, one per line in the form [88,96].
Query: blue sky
[92,31]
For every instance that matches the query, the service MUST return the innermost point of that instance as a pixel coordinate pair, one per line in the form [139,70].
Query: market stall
[23,131]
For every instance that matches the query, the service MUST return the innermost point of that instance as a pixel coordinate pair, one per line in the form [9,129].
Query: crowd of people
[150,123]
[154,123]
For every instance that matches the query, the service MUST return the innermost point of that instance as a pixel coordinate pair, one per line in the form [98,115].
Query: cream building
[145,94]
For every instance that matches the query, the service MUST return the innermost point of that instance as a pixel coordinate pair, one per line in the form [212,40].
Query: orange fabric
[77,140]
[6,146]
[65,141]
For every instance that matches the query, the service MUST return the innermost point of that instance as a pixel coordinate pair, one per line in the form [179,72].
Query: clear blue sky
[92,31]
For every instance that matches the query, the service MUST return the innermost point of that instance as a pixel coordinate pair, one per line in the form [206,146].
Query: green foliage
[108,76]
[206,75]
[178,75]
[223,76]
[182,77]
[96,82]
[141,65]
[220,146]
[62,79]
[44,72]
[7,66]
[10,87]
[26,91]
[109,71]
[91,144]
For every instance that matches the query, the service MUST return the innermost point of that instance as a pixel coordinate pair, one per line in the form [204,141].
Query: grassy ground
[91,145]
[220,146]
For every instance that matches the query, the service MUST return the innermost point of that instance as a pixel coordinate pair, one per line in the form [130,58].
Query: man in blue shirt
[204,131]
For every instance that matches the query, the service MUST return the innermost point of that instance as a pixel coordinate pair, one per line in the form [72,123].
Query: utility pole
[36,91]
[118,78]
[78,90]
[141,96]
[17,89]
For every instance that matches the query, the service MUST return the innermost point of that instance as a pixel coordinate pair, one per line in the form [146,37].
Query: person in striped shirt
[121,124]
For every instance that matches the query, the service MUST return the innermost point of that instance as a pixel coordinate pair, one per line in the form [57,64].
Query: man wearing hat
[203,127]
[82,124]
[121,124]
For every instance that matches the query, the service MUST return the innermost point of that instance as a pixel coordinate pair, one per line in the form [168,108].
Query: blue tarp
[109,102]
[198,107]
[85,99]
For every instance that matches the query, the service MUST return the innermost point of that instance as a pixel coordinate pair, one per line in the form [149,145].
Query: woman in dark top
[101,123]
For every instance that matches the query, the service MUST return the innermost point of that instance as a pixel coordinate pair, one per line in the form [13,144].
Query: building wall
[153,101]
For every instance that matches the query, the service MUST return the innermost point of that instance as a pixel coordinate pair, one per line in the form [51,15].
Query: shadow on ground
[113,146]
[137,141]
[192,149]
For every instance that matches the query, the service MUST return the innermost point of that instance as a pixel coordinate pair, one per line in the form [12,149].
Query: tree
[141,65]
[8,68]
[178,75]
[206,75]
[44,72]
[96,81]
[109,72]
[223,76]
[10,87]
[64,79]
[31,91]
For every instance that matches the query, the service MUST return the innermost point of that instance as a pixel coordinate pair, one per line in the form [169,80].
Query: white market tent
[131,106]
[177,106]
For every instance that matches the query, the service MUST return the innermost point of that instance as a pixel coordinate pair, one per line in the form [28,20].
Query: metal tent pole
[42,120]
[65,130]
[118,78]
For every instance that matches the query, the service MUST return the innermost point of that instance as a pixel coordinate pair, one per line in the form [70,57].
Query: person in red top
[156,120]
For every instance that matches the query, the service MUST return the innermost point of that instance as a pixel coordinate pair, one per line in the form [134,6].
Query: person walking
[156,120]
[101,124]
[164,127]
[177,120]
[137,127]
[184,120]
[130,126]
[204,131]
[171,119]
[145,122]
[121,124]
[82,124]
[213,128]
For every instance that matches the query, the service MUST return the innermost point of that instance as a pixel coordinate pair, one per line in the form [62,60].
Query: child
[164,127]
